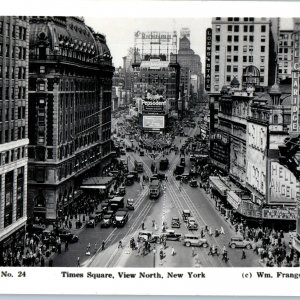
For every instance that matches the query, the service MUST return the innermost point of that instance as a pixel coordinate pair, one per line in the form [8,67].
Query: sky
[120,32]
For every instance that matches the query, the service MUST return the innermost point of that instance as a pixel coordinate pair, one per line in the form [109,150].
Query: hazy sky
[120,32]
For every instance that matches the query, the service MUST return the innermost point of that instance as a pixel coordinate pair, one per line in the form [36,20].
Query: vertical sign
[295,86]
[208,59]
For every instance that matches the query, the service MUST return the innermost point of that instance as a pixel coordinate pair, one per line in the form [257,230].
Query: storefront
[280,218]
[97,187]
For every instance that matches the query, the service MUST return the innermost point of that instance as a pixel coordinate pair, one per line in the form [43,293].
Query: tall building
[70,90]
[238,43]
[191,69]
[285,54]
[14,44]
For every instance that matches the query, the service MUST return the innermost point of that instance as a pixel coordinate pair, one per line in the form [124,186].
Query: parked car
[194,240]
[91,223]
[130,204]
[122,191]
[66,235]
[192,224]
[121,217]
[239,242]
[193,183]
[175,223]
[186,214]
[107,220]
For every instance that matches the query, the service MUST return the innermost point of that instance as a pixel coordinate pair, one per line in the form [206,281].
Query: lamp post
[154,253]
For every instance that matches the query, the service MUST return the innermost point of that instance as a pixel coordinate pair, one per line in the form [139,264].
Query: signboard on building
[295,85]
[208,59]
[283,185]
[155,107]
[279,214]
[219,150]
[256,167]
[154,122]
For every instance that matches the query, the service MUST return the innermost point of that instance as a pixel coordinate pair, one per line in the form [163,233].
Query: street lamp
[154,252]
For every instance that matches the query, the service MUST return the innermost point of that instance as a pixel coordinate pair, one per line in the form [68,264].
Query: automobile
[171,235]
[122,151]
[129,180]
[148,236]
[185,177]
[130,204]
[193,183]
[98,215]
[36,228]
[104,205]
[239,242]
[132,141]
[194,240]
[107,220]
[142,152]
[121,217]
[91,223]
[178,177]
[129,149]
[186,214]
[191,223]
[175,223]
[122,191]
[66,235]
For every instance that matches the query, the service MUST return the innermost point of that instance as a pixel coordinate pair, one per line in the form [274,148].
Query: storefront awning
[217,184]
[100,183]
[99,187]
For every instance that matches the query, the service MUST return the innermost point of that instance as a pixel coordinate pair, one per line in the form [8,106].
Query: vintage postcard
[150,148]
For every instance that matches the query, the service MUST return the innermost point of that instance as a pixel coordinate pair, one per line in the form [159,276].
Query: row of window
[22,30]
[285,50]
[9,72]
[262,48]
[9,135]
[236,38]
[236,28]
[21,113]
[11,92]
[12,155]
[238,19]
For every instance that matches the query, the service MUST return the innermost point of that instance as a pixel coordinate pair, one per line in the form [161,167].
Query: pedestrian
[50,262]
[89,246]
[173,251]
[210,231]
[193,251]
[66,246]
[143,226]
[155,227]
[243,254]
[42,262]
[120,245]
[78,261]
[103,245]
[95,248]
[222,230]
[153,223]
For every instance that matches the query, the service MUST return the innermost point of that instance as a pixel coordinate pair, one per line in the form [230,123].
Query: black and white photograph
[149,143]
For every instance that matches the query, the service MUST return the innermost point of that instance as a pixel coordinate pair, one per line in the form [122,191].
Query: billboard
[256,167]
[154,106]
[153,122]
[220,150]
[283,185]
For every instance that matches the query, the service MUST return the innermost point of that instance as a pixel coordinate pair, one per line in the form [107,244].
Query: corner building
[70,112]
[14,43]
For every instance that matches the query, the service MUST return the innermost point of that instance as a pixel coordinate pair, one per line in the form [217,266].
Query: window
[251,28]
[245,38]
[235,69]
[217,47]
[251,38]
[275,119]
[42,87]
[250,48]
[14,31]
[6,72]
[262,79]
[244,58]
[229,48]
[1,27]
[263,28]
[229,38]
[236,38]
[228,78]
[285,50]
[217,57]
[24,53]
[229,28]
[262,48]
[228,58]
[217,68]
[263,38]
[218,18]
[218,28]
[7,51]
[217,38]
[235,58]
[244,49]
[217,77]
[42,69]
[236,28]
[262,69]
[228,68]
[230,19]
[250,59]
[235,48]
[246,19]
[7,29]
[245,28]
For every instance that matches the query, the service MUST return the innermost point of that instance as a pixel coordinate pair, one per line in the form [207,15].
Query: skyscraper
[14,42]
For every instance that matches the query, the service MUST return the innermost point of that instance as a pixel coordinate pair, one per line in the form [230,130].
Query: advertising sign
[279,214]
[219,150]
[153,122]
[284,188]
[208,59]
[256,157]
[295,86]
[153,106]
[234,199]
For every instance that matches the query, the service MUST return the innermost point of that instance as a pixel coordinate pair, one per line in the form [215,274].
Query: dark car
[91,223]
[178,177]
[98,215]
[193,183]
[66,235]
[129,149]
[104,205]
[122,191]
[142,152]
[175,223]
[129,180]
[171,235]
[107,220]
[121,218]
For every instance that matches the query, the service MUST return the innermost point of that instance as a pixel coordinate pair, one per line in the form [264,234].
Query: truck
[154,189]
[116,203]
[163,164]
[138,166]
